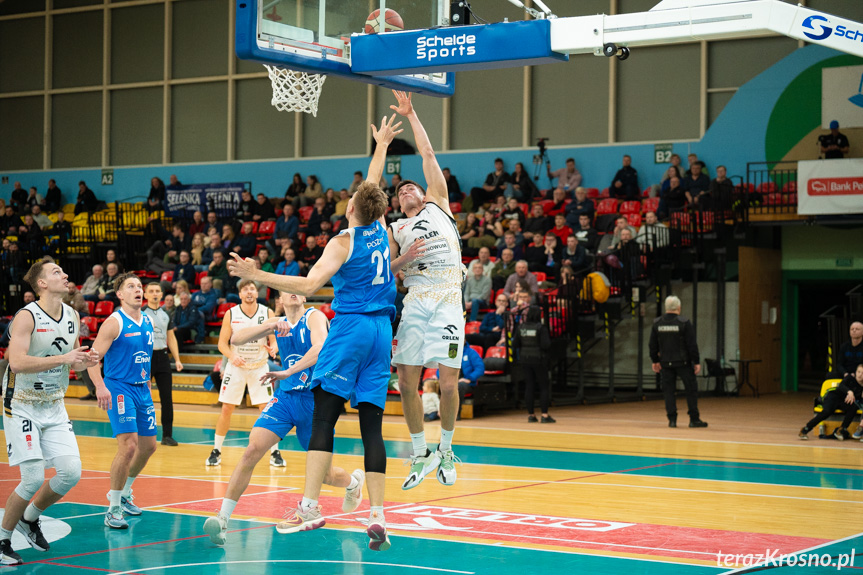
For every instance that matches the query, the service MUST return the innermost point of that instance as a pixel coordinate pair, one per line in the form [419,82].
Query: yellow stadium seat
[828,385]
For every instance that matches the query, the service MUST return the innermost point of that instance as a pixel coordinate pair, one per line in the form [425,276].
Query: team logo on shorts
[29,439]
[395,345]
[121,404]
[453,350]
[270,404]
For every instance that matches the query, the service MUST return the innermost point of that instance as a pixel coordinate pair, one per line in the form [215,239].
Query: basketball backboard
[314,36]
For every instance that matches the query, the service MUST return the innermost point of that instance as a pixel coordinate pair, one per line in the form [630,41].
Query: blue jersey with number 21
[364,284]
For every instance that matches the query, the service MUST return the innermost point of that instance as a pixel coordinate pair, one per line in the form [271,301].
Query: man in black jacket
[674,352]
[532,341]
[845,397]
[624,186]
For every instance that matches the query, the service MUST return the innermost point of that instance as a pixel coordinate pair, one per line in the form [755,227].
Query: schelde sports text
[435,47]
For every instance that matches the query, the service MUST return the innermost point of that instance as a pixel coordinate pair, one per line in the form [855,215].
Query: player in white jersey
[246,365]
[42,349]
[431,331]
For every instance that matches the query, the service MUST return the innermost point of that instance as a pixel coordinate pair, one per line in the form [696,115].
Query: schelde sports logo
[436,47]
[821,30]
[835,186]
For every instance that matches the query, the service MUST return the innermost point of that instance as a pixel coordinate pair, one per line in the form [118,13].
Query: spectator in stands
[18,199]
[395,213]
[431,399]
[514,228]
[228,236]
[179,241]
[532,342]
[41,219]
[312,192]
[586,234]
[844,396]
[545,257]
[288,266]
[524,190]
[394,184]
[512,212]
[87,201]
[294,191]
[477,290]
[693,159]
[721,189]
[560,229]
[90,288]
[197,252]
[248,206]
[212,223]
[213,243]
[207,298]
[568,178]
[574,255]
[472,368]
[487,234]
[246,243]
[53,197]
[264,210]
[510,242]
[358,179]
[468,228]
[674,199]
[497,183]
[219,270]
[111,258]
[697,186]
[319,214]
[491,330]
[503,268]
[188,321]
[169,306]
[287,228]
[628,254]
[652,233]
[521,300]
[325,234]
[625,183]
[34,199]
[174,183]
[610,241]
[198,225]
[29,297]
[851,352]
[310,254]
[30,236]
[263,256]
[75,300]
[185,270]
[581,205]
[106,288]
[678,169]
[558,196]
[342,206]
[11,221]
[62,228]
[484,258]
[537,224]
[835,144]
[452,187]
[521,273]
[156,197]
[672,172]
[181,287]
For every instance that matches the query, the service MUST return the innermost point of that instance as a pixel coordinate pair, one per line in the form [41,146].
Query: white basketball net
[295,91]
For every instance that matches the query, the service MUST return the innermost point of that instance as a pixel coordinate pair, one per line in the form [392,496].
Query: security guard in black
[674,353]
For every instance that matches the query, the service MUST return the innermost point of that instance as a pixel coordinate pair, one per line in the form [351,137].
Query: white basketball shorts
[431,330]
[41,431]
[236,379]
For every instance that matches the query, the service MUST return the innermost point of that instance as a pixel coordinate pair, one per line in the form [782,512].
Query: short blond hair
[370,203]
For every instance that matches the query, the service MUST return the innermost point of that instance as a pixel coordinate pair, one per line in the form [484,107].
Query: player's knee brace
[371,420]
[328,407]
[68,473]
[32,477]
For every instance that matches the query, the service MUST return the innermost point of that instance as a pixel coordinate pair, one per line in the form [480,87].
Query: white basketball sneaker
[446,473]
[353,497]
[421,465]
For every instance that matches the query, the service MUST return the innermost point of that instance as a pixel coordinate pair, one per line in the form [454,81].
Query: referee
[674,352]
[160,368]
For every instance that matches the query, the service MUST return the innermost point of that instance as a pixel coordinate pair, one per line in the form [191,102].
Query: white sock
[377,510]
[220,439]
[227,508]
[5,533]
[32,513]
[419,443]
[354,483]
[445,440]
[307,504]
[114,497]
[127,489]
[274,448]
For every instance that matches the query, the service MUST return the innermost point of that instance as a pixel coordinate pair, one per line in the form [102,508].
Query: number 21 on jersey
[380,259]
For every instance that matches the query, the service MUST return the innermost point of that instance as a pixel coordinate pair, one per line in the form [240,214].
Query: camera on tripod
[540,158]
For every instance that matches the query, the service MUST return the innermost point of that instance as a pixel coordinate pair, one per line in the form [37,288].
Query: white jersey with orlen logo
[440,268]
[252,352]
[50,337]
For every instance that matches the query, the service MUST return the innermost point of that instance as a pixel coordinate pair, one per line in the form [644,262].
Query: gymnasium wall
[820,248]
[152,88]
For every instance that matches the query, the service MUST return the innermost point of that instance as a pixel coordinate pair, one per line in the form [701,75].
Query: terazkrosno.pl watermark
[772,558]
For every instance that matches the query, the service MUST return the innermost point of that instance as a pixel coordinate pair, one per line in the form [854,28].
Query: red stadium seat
[91,306]
[167,276]
[646,192]
[306,213]
[540,276]
[429,373]
[266,229]
[789,187]
[604,193]
[327,310]
[547,206]
[92,324]
[198,277]
[477,349]
[455,207]
[649,205]
[749,188]
[220,314]
[767,188]
[254,226]
[498,352]
[631,207]
[103,310]
[634,220]
[592,193]
[607,206]
[472,327]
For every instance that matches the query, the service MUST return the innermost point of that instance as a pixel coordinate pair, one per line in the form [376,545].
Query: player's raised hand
[273,376]
[405,106]
[385,134]
[417,250]
[77,356]
[103,398]
[241,268]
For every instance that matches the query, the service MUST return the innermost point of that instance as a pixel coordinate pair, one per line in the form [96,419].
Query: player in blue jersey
[300,335]
[125,340]
[354,362]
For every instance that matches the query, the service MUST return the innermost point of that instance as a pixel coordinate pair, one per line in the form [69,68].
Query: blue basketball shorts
[132,409]
[355,360]
[286,411]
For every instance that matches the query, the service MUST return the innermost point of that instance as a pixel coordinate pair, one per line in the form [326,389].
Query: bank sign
[455,49]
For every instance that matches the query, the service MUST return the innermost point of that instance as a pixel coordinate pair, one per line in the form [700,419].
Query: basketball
[392,22]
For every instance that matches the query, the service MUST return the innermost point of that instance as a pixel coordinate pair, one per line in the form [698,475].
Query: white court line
[801,552]
[315,561]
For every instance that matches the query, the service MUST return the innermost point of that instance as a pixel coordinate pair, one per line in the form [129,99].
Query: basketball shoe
[217,528]
[353,497]
[299,521]
[421,465]
[379,540]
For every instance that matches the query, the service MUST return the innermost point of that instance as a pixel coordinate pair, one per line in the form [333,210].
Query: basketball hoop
[295,91]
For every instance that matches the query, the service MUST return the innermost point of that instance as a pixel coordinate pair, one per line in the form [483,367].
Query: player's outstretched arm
[107,334]
[397,262]
[436,184]
[335,254]
[384,137]
[318,327]
[255,332]
[19,346]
